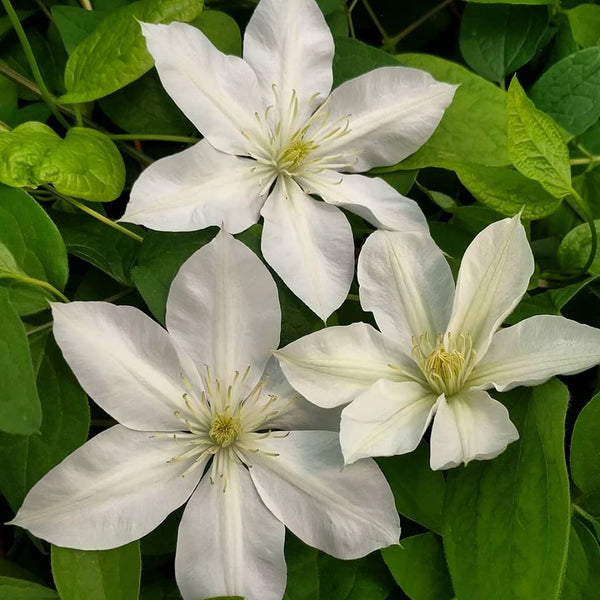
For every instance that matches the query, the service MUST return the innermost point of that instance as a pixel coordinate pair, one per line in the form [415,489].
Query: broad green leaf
[313,575]
[64,427]
[418,491]
[8,264]
[115,54]
[20,411]
[585,449]
[535,145]
[74,24]
[419,567]
[496,40]
[97,574]
[36,111]
[507,191]
[569,91]
[509,1]
[36,247]
[506,520]
[86,165]
[221,30]
[19,589]
[8,99]
[582,576]
[575,249]
[585,24]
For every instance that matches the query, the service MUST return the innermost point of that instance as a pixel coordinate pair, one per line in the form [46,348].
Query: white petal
[387,419]
[218,93]
[290,45]
[223,310]
[229,543]
[407,283]
[494,274]
[197,188]
[124,360]
[469,426]
[115,489]
[392,111]
[332,366]
[310,246]
[345,512]
[371,198]
[534,350]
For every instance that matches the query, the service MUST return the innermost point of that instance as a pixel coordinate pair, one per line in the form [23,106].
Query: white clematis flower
[273,137]
[203,422]
[438,350]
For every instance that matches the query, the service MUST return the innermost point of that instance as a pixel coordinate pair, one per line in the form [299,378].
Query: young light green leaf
[582,576]
[506,521]
[496,40]
[575,249]
[64,426]
[19,589]
[419,567]
[74,24]
[20,411]
[115,54]
[98,574]
[585,24]
[535,145]
[507,191]
[569,91]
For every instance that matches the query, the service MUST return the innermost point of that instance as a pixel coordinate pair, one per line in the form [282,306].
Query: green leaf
[18,589]
[575,249]
[507,191]
[506,520]
[569,91]
[75,24]
[496,40]
[8,264]
[419,567]
[535,145]
[86,165]
[582,577]
[585,24]
[115,54]
[64,427]
[585,449]
[8,99]
[20,411]
[509,1]
[418,491]
[36,246]
[98,574]
[221,30]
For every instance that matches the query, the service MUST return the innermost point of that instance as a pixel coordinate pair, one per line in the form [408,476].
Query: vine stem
[86,4]
[37,74]
[154,137]
[582,209]
[36,282]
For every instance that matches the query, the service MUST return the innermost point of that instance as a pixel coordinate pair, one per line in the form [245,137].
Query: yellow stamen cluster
[295,153]
[225,429]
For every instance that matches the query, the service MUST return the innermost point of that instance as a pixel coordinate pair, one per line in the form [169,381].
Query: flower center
[225,429]
[295,153]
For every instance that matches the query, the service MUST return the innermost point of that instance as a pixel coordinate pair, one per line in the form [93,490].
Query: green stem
[86,4]
[350,21]
[40,328]
[392,41]
[37,282]
[376,21]
[584,514]
[154,137]
[78,117]
[585,161]
[582,209]
[37,74]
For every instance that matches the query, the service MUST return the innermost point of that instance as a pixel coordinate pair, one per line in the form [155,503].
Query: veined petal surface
[392,112]
[407,284]
[116,488]
[124,360]
[229,543]
[387,419]
[469,426]
[223,310]
[310,246]
[327,507]
[197,188]
[334,365]
[534,350]
[218,93]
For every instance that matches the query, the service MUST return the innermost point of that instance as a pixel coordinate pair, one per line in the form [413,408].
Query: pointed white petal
[534,350]
[290,45]
[115,489]
[407,283]
[229,543]
[494,274]
[223,310]
[197,188]
[392,111]
[469,426]
[369,197]
[125,361]
[310,246]
[345,512]
[387,419]
[332,366]
[218,93]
